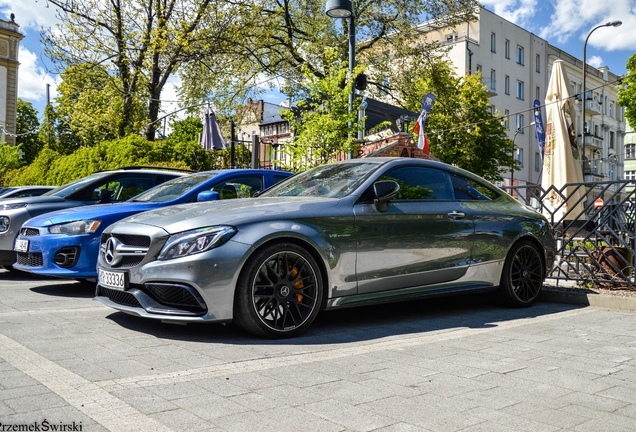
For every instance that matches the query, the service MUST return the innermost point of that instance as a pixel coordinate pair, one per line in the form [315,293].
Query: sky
[563,23]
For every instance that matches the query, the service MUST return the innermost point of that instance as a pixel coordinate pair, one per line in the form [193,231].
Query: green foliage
[627,91]
[482,148]
[89,105]
[28,126]
[9,160]
[325,126]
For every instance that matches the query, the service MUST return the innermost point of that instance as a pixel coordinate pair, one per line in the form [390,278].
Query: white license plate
[114,280]
[21,245]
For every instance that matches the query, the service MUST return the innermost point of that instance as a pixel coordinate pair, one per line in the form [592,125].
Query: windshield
[67,189]
[172,189]
[328,181]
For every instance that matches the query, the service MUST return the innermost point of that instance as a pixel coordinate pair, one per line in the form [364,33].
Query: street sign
[598,203]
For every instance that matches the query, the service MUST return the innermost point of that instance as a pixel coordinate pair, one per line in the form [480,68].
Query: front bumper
[76,255]
[7,238]
[191,289]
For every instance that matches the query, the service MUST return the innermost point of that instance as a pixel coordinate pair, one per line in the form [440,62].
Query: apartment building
[515,66]
[512,63]
[10,39]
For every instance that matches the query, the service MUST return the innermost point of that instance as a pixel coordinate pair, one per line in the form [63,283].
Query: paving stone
[348,415]
[181,420]
[144,400]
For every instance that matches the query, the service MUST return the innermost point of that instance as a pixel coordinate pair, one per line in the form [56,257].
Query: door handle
[456,215]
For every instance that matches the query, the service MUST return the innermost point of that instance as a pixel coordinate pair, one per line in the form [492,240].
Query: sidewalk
[569,293]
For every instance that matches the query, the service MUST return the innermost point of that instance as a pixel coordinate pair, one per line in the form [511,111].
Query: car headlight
[74,228]
[12,206]
[195,241]
[4,223]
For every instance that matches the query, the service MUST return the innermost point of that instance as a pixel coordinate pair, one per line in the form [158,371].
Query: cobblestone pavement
[454,364]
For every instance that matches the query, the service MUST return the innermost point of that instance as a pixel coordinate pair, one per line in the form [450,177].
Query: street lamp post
[583,96]
[344,9]
[517,132]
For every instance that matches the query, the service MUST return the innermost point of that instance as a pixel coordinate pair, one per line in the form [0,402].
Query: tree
[627,91]
[27,130]
[469,136]
[323,125]
[142,43]
[89,104]
[291,37]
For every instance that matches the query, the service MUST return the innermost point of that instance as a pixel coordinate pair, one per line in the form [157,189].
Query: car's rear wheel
[279,292]
[522,276]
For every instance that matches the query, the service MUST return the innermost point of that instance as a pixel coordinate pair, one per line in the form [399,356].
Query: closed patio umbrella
[212,138]
[561,159]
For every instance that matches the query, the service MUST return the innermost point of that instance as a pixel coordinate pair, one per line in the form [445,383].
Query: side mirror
[384,191]
[104,196]
[208,196]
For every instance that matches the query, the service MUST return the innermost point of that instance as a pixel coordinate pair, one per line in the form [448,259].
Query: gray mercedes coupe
[345,234]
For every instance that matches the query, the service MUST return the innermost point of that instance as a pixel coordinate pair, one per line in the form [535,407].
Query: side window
[420,183]
[239,187]
[470,190]
[279,178]
[122,188]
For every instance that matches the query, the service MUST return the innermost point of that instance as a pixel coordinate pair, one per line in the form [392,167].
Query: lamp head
[614,23]
[339,8]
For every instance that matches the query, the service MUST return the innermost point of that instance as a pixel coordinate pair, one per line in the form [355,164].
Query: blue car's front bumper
[60,255]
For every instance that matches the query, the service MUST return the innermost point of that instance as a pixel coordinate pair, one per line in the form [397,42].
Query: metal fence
[597,245]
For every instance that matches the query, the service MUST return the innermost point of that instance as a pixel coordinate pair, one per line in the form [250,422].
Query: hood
[98,211]
[234,212]
[31,200]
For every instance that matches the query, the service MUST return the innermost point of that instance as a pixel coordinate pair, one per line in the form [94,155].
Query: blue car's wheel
[279,292]
[522,276]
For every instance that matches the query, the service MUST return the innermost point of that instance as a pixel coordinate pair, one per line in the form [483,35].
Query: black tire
[279,292]
[522,276]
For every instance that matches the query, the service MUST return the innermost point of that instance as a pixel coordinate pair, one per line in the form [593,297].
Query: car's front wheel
[522,276]
[279,292]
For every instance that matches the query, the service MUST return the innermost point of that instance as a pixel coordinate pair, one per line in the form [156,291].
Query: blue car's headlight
[195,241]
[74,228]
[12,206]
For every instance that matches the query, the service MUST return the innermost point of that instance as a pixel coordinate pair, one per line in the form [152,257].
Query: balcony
[491,86]
[593,141]
[593,107]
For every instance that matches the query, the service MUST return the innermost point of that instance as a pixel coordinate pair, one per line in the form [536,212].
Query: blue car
[65,243]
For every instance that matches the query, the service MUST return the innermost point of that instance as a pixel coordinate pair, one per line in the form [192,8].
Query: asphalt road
[461,363]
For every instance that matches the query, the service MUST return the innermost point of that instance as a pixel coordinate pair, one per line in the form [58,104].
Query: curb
[583,299]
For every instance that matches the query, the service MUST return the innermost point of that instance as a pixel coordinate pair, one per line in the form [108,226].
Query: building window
[492,109]
[520,123]
[630,175]
[507,119]
[493,79]
[630,151]
[537,63]
[507,49]
[537,162]
[611,144]
[519,156]
[507,85]
[493,47]
[451,38]
[611,113]
[612,172]
[520,90]
[520,55]
[537,93]
[478,68]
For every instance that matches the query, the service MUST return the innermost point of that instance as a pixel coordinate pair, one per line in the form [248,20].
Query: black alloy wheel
[522,276]
[279,292]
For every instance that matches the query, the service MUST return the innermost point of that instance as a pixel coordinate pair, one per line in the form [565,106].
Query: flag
[212,138]
[538,127]
[422,141]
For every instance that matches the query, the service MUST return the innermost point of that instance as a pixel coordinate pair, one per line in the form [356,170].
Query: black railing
[595,244]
